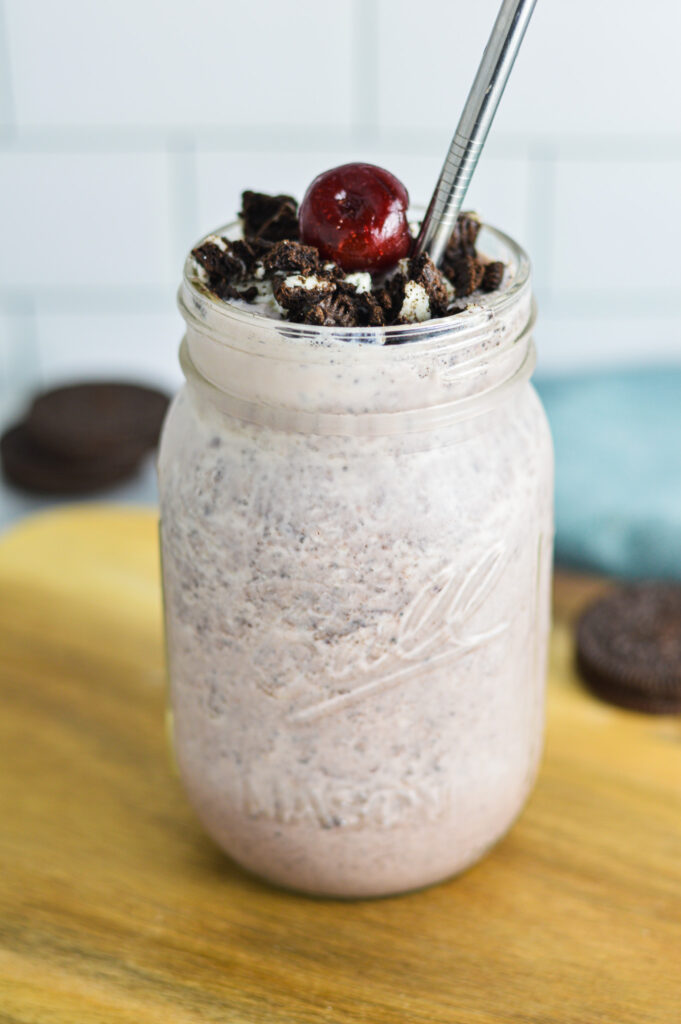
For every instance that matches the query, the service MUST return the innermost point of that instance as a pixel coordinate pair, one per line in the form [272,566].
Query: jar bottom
[306,860]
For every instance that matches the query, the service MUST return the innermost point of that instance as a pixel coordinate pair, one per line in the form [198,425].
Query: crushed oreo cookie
[465,272]
[271,261]
[269,218]
[465,234]
[492,276]
[297,291]
[289,257]
[333,311]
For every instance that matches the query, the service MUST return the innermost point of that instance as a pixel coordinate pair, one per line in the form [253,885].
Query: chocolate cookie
[29,466]
[269,218]
[97,419]
[629,647]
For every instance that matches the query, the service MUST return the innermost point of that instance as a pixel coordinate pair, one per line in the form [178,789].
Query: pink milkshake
[356,531]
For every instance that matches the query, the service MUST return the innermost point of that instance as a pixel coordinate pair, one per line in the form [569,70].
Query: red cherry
[356,215]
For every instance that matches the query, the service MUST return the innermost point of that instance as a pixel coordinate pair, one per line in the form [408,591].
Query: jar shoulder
[418,486]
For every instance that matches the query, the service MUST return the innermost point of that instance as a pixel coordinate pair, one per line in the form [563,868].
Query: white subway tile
[617,225]
[150,62]
[19,368]
[140,347]
[584,67]
[427,57]
[605,339]
[83,220]
[499,192]
[6,351]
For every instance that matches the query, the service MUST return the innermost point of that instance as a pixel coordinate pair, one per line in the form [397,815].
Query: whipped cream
[309,284]
[361,282]
[416,304]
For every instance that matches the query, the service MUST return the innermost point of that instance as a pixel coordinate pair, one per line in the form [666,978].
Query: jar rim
[204,311]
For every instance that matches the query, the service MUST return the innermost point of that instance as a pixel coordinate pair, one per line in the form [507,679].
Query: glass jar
[356,547]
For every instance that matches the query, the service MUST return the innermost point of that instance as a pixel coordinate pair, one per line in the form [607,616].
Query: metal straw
[474,124]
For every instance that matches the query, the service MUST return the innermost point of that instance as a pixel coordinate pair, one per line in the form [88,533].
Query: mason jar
[356,532]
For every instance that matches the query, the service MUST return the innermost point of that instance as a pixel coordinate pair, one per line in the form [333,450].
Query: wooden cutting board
[115,907]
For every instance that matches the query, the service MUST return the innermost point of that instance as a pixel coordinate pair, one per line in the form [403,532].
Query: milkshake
[356,529]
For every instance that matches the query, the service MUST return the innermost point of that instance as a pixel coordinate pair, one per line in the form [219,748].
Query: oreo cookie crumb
[288,257]
[297,291]
[465,234]
[309,289]
[396,289]
[465,272]
[221,262]
[492,276]
[370,312]
[335,311]
[384,298]
[423,271]
[269,218]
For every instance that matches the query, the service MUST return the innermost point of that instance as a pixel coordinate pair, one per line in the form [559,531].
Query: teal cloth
[617,438]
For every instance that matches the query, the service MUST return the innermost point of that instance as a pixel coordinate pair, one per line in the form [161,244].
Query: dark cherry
[356,215]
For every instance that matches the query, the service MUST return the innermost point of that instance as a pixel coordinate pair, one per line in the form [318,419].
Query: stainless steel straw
[474,124]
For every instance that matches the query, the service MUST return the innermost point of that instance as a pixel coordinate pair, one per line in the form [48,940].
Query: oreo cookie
[423,271]
[288,257]
[629,647]
[98,419]
[297,291]
[258,266]
[29,466]
[465,233]
[269,218]
[492,276]
[466,273]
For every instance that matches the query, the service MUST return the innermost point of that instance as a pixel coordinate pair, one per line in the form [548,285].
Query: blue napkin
[617,438]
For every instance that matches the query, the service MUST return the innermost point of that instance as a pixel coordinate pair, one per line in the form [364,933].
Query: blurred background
[129,129]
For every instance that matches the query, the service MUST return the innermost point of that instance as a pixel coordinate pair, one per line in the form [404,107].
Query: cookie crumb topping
[270,261]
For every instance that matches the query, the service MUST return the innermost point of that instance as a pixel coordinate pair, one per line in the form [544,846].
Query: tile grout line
[154,138]
[542,215]
[365,49]
[84,301]
[25,362]
[7,111]
[183,198]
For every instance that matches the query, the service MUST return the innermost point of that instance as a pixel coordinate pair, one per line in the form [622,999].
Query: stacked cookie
[82,438]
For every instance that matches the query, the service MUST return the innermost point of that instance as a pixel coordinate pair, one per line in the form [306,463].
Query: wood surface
[114,906]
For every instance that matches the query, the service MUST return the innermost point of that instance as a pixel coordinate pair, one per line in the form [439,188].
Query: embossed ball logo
[436,626]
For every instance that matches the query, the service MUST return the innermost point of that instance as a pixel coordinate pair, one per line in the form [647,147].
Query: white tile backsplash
[572,342]
[158,62]
[584,67]
[426,63]
[501,193]
[140,123]
[19,365]
[593,68]
[135,346]
[84,220]
[616,225]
